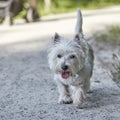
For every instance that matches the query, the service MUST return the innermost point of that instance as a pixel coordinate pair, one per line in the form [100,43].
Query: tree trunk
[47,5]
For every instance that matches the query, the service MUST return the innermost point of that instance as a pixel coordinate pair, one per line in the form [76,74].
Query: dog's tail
[78,27]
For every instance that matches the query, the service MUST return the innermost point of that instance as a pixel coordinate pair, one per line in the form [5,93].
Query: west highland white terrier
[72,64]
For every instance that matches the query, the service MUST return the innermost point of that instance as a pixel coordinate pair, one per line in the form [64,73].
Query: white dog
[72,64]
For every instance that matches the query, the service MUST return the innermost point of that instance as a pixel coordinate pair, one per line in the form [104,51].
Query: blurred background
[33,10]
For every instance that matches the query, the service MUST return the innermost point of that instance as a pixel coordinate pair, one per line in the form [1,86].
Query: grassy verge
[112,36]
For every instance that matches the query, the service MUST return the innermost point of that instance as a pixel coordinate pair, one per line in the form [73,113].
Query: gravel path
[27,90]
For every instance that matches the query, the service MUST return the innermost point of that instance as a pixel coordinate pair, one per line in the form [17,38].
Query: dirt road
[27,89]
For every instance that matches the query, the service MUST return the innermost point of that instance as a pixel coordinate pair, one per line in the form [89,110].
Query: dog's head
[66,57]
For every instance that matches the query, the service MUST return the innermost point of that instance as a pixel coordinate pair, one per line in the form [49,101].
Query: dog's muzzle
[65,73]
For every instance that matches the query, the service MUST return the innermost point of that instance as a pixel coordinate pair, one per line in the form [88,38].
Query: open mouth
[65,74]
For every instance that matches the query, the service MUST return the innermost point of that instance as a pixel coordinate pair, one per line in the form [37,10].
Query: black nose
[64,67]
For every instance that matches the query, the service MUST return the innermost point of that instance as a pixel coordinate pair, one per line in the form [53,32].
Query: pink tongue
[65,75]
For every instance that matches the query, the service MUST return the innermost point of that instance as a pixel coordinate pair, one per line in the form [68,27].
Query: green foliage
[116,67]
[60,6]
[63,6]
[112,36]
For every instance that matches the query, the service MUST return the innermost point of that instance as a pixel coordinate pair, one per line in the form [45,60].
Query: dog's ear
[56,38]
[77,38]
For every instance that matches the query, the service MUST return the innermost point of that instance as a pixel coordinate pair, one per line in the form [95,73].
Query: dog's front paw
[78,101]
[78,97]
[65,100]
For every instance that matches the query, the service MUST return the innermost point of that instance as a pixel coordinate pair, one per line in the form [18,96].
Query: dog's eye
[59,56]
[72,56]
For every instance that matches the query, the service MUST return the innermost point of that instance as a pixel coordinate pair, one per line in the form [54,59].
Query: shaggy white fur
[72,63]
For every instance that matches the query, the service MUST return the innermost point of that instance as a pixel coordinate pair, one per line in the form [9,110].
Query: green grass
[111,36]
[65,6]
